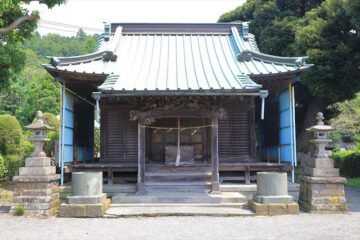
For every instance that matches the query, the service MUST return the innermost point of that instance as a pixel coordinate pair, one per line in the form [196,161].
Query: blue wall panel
[285,136]
[69,118]
[69,128]
[285,153]
[80,153]
[285,118]
[285,127]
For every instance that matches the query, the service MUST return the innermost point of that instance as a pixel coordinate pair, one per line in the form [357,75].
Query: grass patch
[19,210]
[353,182]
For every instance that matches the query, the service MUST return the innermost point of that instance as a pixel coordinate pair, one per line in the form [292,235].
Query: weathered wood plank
[252,140]
[215,184]
[141,160]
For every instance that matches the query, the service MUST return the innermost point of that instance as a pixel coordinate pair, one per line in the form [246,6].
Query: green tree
[51,120]
[326,30]
[33,88]
[16,25]
[347,121]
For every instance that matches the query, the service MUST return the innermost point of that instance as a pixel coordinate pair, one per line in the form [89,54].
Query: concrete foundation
[84,210]
[272,196]
[87,183]
[88,199]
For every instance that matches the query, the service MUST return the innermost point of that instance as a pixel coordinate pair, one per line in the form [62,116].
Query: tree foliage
[51,120]
[33,88]
[347,121]
[327,31]
[330,35]
[10,135]
[16,25]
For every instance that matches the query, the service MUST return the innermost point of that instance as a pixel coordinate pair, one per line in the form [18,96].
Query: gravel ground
[301,227]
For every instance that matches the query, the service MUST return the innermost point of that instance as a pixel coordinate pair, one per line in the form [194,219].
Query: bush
[3,170]
[51,120]
[12,164]
[348,161]
[10,135]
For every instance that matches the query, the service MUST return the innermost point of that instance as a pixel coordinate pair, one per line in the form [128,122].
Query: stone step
[176,205]
[172,169]
[178,186]
[177,177]
[177,210]
[192,183]
[179,198]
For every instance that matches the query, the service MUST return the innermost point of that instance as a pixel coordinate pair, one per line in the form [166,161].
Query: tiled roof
[188,57]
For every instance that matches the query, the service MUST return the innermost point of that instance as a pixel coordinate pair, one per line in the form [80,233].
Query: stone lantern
[321,187]
[320,133]
[39,135]
[320,164]
[36,187]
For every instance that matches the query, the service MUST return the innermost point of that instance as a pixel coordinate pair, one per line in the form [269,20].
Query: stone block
[322,194]
[69,210]
[277,209]
[293,209]
[84,210]
[107,204]
[321,172]
[34,192]
[273,199]
[320,163]
[38,194]
[274,209]
[36,171]
[86,199]
[38,162]
[36,199]
[95,210]
[319,180]
[31,182]
[258,208]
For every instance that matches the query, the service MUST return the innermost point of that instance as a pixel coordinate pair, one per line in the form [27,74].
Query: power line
[58,29]
[70,25]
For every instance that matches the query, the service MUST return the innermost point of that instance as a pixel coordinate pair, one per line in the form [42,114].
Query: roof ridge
[247,55]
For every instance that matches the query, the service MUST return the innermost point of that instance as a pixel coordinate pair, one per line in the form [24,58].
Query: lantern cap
[38,123]
[320,126]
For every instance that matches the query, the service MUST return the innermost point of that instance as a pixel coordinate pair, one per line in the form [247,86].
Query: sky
[90,14]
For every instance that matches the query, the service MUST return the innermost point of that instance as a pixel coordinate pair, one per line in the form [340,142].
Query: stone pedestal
[322,194]
[36,188]
[272,196]
[321,188]
[88,199]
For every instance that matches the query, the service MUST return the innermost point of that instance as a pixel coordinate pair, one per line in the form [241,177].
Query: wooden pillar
[141,160]
[215,185]
[252,128]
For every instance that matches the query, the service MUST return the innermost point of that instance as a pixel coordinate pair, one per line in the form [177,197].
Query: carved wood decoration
[147,111]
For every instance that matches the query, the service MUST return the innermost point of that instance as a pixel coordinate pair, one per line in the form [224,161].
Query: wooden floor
[242,172]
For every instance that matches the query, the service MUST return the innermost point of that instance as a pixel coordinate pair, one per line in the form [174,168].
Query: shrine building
[183,107]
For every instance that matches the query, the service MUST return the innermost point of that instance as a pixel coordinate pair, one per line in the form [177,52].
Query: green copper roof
[179,57]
